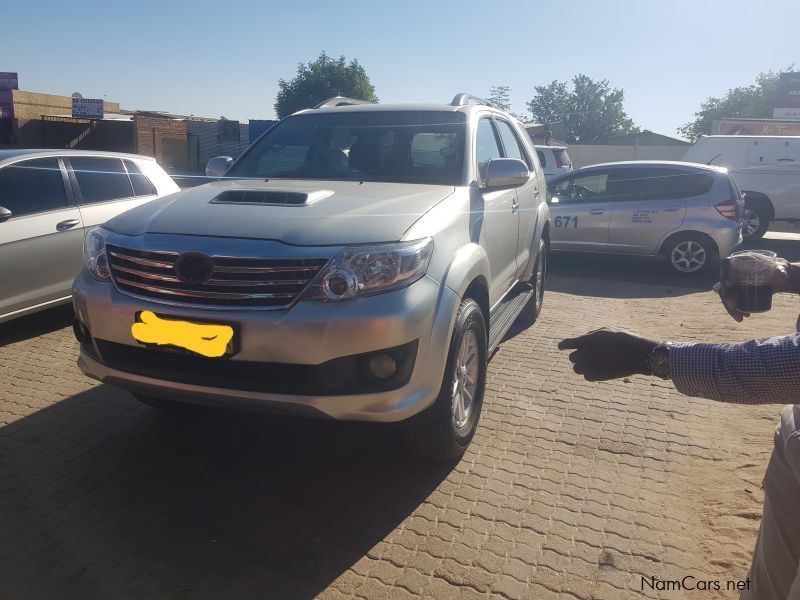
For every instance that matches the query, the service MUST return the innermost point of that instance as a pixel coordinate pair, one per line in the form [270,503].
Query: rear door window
[642,183]
[101,179]
[142,186]
[32,186]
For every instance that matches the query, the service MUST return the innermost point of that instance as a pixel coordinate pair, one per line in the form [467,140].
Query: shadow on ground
[635,277]
[36,324]
[103,498]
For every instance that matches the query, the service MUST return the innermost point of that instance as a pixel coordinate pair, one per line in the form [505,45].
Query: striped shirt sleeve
[753,372]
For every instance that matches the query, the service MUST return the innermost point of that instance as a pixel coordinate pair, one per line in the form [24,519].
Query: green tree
[588,110]
[500,96]
[754,101]
[321,79]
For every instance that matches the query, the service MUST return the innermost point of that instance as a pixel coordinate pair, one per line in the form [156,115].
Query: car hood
[336,212]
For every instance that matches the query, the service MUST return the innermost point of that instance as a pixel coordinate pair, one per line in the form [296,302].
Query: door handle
[597,211]
[514,206]
[68,224]
[536,193]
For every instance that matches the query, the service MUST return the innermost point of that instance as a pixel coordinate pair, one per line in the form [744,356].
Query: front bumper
[309,333]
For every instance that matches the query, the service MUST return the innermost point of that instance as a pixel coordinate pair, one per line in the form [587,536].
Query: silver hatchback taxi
[688,213]
[49,199]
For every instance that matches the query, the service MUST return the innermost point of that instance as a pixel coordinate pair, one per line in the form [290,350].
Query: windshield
[406,147]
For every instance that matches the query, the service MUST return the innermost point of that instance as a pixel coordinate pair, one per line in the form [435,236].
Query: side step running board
[504,315]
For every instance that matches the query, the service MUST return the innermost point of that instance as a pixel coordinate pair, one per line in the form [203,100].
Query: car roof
[651,163]
[402,107]
[45,152]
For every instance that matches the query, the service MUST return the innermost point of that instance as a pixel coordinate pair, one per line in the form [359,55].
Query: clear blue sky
[225,57]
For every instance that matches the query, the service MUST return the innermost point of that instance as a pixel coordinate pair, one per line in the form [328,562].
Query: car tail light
[729,209]
[558,160]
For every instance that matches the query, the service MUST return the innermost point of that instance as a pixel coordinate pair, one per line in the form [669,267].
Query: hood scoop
[271,197]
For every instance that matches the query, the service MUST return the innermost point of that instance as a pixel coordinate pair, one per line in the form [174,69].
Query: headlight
[366,270]
[94,253]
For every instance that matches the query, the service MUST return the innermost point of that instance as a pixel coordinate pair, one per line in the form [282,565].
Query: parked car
[767,170]
[690,214]
[48,200]
[358,262]
[555,160]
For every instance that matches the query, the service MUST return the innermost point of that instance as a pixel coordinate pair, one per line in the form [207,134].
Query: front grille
[235,282]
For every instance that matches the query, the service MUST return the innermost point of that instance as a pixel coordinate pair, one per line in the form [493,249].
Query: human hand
[609,353]
[726,288]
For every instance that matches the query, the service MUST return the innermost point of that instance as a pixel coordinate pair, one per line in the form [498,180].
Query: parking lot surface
[569,490]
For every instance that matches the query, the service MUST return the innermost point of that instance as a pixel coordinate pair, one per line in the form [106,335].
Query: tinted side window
[486,146]
[101,179]
[141,184]
[643,183]
[32,186]
[542,159]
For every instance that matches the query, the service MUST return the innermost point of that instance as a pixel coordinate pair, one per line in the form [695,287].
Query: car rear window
[562,158]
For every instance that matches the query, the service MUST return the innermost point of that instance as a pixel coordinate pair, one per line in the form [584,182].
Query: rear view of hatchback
[555,160]
[689,214]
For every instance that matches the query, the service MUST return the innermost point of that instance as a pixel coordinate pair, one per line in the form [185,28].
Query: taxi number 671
[564,222]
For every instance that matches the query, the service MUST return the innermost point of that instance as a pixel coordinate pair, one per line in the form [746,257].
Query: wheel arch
[687,233]
[761,199]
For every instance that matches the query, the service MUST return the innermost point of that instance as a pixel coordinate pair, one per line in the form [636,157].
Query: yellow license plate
[208,339]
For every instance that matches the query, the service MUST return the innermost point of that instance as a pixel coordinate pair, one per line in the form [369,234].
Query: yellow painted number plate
[212,340]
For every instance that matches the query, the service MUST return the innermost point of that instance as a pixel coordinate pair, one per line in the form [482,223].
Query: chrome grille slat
[222,269]
[199,293]
[141,261]
[261,283]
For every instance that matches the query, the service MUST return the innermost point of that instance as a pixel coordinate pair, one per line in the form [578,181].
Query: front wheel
[444,430]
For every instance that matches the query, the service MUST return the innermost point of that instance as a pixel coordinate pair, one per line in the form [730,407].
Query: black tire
[533,308]
[757,217]
[433,433]
[687,244]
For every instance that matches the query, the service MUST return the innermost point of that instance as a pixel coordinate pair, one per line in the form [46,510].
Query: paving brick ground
[570,489]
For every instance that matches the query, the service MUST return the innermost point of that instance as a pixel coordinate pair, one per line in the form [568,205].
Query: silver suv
[358,261]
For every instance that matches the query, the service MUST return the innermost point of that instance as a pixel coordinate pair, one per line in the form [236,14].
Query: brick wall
[162,138]
[32,105]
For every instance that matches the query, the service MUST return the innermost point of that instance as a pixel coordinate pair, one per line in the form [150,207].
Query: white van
[555,160]
[766,169]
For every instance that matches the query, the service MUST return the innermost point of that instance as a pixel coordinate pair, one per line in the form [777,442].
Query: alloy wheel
[688,257]
[465,384]
[750,223]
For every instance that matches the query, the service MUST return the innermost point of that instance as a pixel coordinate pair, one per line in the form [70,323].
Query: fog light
[80,331]
[382,366]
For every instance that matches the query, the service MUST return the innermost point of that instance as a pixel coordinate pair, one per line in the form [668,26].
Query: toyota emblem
[194,267]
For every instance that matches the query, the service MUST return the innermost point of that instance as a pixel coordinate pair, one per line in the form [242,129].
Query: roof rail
[462,99]
[341,101]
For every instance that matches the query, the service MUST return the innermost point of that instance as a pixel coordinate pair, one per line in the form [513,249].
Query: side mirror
[217,166]
[5,214]
[506,172]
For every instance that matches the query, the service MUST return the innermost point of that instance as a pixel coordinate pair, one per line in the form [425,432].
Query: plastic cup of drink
[751,273]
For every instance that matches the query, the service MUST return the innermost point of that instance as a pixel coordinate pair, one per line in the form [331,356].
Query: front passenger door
[500,216]
[580,212]
[41,245]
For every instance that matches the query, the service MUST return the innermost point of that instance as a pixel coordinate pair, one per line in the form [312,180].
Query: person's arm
[754,372]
